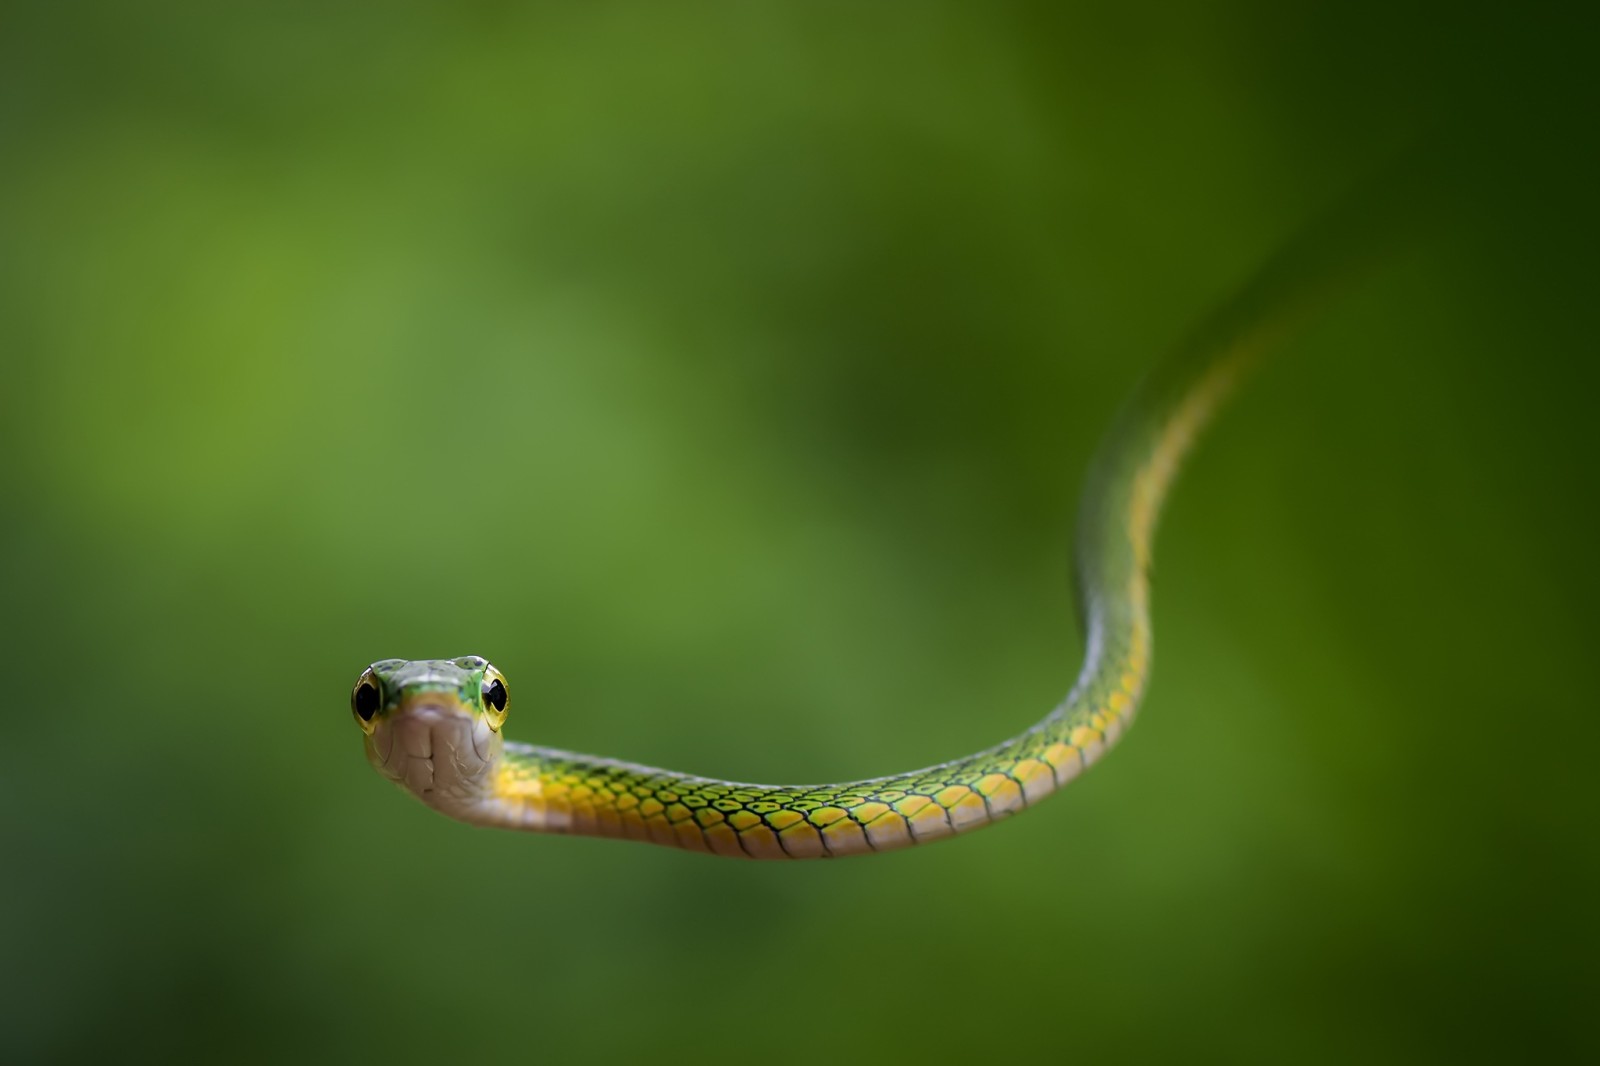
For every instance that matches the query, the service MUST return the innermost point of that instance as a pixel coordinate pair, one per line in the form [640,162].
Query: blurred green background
[726,374]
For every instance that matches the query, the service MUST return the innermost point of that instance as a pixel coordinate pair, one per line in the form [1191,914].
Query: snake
[435,727]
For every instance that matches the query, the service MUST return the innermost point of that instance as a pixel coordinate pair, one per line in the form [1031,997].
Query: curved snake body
[434,726]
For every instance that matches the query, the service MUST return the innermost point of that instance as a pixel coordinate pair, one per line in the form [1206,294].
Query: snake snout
[433,751]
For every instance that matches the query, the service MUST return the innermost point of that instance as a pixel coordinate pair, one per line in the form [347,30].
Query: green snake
[435,727]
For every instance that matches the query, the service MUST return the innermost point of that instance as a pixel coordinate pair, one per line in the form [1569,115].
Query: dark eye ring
[494,694]
[366,699]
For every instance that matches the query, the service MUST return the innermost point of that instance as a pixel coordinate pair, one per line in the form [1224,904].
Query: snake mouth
[438,752]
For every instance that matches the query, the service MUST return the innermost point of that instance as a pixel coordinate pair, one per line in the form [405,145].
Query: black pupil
[494,694]
[366,700]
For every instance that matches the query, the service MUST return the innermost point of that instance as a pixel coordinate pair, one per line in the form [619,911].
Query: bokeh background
[726,374]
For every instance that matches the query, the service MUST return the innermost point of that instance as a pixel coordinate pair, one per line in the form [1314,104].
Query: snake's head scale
[432,726]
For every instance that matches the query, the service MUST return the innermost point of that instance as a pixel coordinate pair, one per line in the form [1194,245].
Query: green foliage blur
[726,374]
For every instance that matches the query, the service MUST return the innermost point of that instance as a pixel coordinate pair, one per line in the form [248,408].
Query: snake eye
[496,700]
[365,700]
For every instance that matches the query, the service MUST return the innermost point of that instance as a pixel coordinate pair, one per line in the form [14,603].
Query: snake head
[432,726]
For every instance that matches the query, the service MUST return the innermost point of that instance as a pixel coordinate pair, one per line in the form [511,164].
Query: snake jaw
[442,754]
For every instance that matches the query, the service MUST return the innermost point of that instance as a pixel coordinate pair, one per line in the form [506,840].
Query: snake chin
[439,754]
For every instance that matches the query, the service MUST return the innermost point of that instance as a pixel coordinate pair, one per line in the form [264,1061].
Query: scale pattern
[548,790]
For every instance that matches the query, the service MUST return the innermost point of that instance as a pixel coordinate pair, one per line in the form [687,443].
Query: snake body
[435,726]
